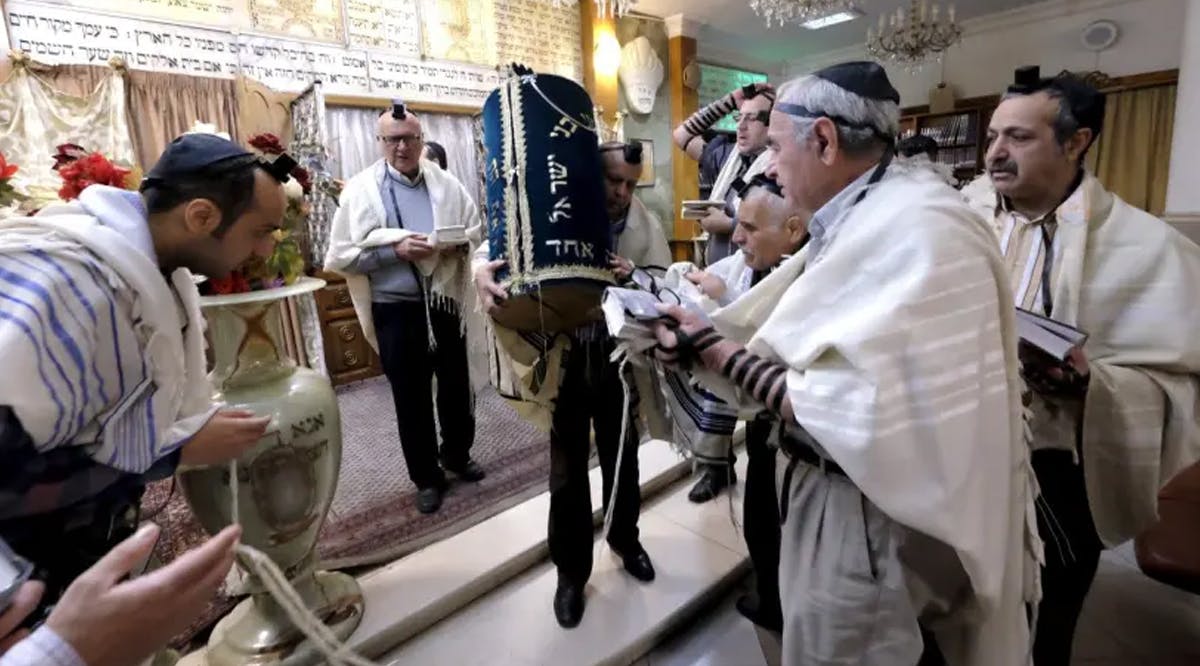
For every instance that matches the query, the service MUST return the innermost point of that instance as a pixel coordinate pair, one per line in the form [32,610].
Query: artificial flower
[93,169]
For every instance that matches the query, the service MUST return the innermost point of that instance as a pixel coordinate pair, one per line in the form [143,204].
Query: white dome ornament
[641,74]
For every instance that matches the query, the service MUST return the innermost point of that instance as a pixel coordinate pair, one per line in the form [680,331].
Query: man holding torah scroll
[401,238]
[904,488]
[590,396]
[1118,418]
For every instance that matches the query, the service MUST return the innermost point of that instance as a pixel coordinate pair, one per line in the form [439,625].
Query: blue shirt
[825,222]
[408,206]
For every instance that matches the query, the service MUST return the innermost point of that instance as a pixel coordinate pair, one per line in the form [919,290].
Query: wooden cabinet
[961,134]
[347,355]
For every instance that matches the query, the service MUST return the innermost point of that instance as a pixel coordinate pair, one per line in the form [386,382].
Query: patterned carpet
[374,516]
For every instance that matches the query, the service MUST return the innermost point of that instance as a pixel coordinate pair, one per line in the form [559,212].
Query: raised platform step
[697,550]
[410,595]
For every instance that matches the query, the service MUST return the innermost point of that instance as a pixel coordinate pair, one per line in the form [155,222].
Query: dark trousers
[1072,554]
[410,366]
[760,516]
[590,396]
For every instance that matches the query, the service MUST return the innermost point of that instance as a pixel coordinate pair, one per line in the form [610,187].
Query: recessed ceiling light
[832,19]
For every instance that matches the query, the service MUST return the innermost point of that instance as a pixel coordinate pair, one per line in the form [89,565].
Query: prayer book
[1049,335]
[697,209]
[449,236]
[629,315]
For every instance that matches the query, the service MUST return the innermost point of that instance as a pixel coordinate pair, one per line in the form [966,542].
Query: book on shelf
[1051,336]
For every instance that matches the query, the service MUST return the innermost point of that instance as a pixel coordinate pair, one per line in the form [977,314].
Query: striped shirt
[73,337]
[1027,244]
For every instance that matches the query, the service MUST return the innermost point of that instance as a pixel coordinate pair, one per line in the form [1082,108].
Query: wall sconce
[607,56]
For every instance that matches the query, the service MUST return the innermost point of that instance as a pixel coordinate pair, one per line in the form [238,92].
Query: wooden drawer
[334,301]
[346,348]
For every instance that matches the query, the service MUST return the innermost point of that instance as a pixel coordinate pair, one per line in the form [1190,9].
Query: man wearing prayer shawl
[1118,419]
[770,230]
[888,348]
[101,342]
[409,293]
[583,392]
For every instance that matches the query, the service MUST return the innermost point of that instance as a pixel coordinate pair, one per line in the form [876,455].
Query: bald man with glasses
[401,238]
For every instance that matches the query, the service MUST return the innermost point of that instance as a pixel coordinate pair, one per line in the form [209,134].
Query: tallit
[901,347]
[1130,281]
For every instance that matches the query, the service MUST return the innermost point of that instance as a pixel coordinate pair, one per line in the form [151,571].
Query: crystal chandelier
[912,37]
[783,12]
[604,8]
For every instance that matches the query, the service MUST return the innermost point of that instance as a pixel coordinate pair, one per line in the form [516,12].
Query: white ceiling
[732,32]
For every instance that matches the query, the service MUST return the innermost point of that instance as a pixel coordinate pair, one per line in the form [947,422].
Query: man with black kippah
[101,341]
[889,360]
[1119,417]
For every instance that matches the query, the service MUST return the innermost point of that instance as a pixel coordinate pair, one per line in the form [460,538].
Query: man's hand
[620,266]
[1050,378]
[678,319]
[115,622]
[227,435]
[739,95]
[712,286]
[491,294]
[23,603]
[414,248]
[717,222]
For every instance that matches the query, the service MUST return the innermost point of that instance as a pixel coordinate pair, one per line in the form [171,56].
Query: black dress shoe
[568,604]
[712,481]
[429,499]
[471,471]
[750,609]
[637,563]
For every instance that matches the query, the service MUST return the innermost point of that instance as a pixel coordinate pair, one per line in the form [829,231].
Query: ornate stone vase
[285,482]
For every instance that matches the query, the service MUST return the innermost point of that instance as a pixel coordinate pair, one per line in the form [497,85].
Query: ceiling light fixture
[784,12]
[832,19]
[911,37]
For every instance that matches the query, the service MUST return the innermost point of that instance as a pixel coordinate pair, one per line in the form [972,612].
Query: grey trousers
[843,587]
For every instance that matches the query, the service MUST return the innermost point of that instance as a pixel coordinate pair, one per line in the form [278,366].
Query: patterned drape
[308,147]
[35,117]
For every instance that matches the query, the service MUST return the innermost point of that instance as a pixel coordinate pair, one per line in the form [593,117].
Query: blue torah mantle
[545,203]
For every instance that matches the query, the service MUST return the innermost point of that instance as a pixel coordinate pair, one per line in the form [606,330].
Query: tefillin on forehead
[631,152]
[398,110]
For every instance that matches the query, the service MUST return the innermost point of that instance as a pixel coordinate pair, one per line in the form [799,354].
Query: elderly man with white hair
[887,347]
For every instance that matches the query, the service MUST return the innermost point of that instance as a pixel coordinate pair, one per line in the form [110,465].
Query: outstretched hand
[491,294]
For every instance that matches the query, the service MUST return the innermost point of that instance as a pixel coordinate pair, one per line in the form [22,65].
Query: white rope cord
[612,495]
[335,652]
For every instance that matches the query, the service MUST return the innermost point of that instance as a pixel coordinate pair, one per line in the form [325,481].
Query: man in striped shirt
[101,342]
[1112,423]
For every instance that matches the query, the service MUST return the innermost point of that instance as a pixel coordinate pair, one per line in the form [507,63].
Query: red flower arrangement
[8,194]
[67,153]
[92,169]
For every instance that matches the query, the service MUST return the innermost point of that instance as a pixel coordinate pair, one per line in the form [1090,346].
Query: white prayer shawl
[901,349]
[361,223]
[144,326]
[729,173]
[643,240]
[1129,280]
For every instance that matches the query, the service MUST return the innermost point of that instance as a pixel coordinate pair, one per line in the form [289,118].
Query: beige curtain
[36,115]
[1132,156]
[164,106]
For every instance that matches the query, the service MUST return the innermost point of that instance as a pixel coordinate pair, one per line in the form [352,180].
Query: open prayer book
[1049,335]
[449,236]
[629,315]
[697,209]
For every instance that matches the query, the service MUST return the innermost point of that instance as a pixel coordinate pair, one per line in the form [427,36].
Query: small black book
[1049,335]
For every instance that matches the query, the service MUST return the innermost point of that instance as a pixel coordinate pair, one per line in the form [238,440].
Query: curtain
[167,105]
[351,132]
[36,116]
[1132,155]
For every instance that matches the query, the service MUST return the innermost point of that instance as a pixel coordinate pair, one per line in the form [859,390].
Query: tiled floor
[1128,620]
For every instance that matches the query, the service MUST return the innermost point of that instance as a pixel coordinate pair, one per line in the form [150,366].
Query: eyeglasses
[763,117]
[397,139]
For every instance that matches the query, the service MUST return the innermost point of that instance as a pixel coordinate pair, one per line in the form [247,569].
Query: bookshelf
[961,134]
